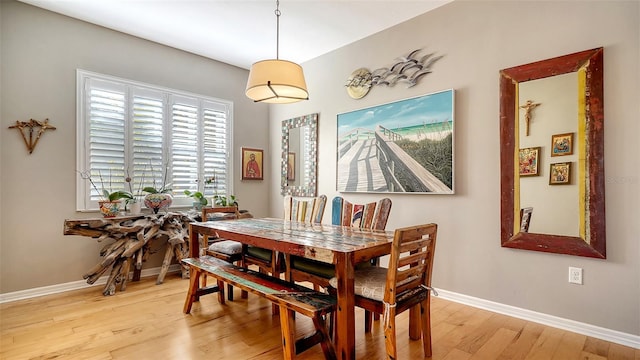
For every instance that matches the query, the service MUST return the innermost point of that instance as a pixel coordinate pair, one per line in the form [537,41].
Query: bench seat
[291,298]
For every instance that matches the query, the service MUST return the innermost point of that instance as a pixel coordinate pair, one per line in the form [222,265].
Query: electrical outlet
[575,275]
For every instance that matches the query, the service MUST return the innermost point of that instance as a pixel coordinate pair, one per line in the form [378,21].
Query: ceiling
[241,32]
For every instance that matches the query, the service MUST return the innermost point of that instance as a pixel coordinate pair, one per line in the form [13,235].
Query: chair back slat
[417,258]
[420,242]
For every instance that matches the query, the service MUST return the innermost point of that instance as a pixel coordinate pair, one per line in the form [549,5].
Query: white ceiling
[241,32]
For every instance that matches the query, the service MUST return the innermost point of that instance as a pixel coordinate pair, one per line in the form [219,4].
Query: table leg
[194,244]
[345,319]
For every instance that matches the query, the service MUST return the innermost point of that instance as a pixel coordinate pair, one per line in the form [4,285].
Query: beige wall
[41,51]
[478,38]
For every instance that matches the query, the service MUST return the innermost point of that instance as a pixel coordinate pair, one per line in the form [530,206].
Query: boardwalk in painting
[364,168]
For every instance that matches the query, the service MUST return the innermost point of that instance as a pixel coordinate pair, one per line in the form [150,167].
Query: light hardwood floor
[146,322]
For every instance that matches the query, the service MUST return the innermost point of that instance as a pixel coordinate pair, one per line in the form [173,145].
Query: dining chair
[227,250]
[404,285]
[373,215]
[296,209]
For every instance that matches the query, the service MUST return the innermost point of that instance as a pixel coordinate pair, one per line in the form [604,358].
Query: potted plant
[198,197]
[221,200]
[109,202]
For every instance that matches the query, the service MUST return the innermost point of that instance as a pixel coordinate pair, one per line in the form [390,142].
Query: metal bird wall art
[408,69]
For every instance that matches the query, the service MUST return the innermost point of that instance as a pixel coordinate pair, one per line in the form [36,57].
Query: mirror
[552,133]
[299,156]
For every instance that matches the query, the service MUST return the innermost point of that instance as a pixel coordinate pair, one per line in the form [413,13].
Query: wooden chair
[268,261]
[227,250]
[310,210]
[368,216]
[404,285]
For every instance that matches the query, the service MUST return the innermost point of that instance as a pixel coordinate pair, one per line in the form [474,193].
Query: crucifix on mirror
[528,106]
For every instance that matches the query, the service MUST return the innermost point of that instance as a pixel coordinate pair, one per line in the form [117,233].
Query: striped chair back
[367,216]
[307,210]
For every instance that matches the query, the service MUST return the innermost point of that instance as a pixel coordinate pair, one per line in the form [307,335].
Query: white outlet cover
[575,275]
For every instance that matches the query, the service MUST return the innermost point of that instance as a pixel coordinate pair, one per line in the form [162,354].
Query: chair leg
[230,292]
[220,292]
[288,328]
[425,310]
[390,333]
[367,321]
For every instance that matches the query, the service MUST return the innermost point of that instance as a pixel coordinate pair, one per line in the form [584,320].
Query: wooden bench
[291,298]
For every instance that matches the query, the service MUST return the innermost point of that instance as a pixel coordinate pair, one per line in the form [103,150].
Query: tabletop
[316,241]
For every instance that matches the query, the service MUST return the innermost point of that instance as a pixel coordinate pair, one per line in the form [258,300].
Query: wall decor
[528,109]
[562,144]
[30,127]
[560,173]
[252,164]
[529,160]
[403,146]
[300,136]
[291,167]
[584,113]
[408,69]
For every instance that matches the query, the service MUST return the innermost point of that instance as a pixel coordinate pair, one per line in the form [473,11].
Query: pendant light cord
[277,29]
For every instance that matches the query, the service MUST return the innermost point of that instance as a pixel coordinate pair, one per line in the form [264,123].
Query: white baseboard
[549,320]
[74,285]
[614,336]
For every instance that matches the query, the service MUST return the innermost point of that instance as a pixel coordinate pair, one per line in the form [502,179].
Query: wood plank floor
[146,322]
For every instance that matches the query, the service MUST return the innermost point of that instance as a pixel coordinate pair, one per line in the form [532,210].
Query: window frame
[170,96]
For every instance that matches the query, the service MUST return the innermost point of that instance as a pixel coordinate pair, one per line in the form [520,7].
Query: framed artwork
[562,144]
[252,164]
[525,218]
[560,174]
[399,147]
[291,166]
[529,161]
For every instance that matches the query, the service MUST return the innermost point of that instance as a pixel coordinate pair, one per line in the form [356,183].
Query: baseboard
[549,320]
[614,336]
[74,285]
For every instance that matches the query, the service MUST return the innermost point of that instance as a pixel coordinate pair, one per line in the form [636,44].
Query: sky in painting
[426,109]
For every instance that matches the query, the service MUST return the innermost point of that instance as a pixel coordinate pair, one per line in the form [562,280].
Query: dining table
[343,246]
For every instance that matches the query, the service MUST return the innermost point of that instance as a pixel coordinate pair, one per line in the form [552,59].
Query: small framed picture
[562,144]
[291,166]
[525,218]
[560,174]
[529,159]
[252,164]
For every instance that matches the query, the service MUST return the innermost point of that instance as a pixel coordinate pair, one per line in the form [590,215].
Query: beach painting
[399,147]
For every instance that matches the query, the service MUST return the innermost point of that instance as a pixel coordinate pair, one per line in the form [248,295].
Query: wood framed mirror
[532,117]
[299,156]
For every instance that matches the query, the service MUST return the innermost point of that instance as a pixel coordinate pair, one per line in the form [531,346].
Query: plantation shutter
[216,148]
[154,137]
[147,139]
[184,145]
[106,111]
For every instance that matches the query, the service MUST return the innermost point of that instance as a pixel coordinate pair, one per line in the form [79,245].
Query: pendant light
[276,81]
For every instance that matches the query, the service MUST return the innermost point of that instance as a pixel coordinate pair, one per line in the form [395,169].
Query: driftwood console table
[129,243]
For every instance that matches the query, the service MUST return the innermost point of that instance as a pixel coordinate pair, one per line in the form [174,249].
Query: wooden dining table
[342,246]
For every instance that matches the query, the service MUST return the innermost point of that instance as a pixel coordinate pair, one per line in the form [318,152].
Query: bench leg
[288,328]
[194,282]
[326,344]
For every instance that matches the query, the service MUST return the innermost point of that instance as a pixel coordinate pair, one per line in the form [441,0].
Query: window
[154,136]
